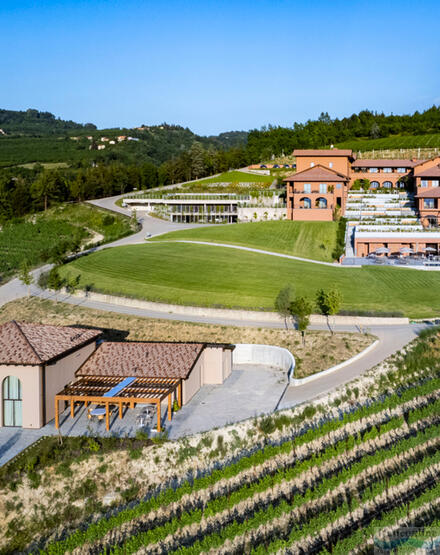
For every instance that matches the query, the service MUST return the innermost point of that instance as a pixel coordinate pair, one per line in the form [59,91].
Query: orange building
[323,178]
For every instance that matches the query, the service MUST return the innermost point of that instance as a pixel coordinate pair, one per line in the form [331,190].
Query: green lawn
[315,240]
[237,177]
[214,276]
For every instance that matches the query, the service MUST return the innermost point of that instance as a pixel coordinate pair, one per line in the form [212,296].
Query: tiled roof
[148,360]
[431,192]
[323,152]
[430,172]
[317,173]
[384,163]
[22,343]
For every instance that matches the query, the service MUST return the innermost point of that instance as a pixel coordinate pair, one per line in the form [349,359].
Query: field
[337,477]
[220,276]
[315,240]
[394,142]
[36,238]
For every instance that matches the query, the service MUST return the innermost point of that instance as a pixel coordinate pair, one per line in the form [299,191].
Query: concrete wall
[61,372]
[193,383]
[32,392]
[248,315]
[227,363]
[269,355]
[263,213]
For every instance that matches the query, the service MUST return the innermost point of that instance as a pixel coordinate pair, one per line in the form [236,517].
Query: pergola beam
[143,391]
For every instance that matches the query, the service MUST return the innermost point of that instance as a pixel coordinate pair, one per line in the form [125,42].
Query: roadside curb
[302,381]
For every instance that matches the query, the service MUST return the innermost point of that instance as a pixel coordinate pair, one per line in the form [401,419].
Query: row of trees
[299,308]
[324,131]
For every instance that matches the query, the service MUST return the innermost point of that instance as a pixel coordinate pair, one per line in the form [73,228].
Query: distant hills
[34,122]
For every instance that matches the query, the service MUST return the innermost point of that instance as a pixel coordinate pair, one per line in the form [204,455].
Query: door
[12,402]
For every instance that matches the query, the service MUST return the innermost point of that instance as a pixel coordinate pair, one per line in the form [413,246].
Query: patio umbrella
[429,249]
[406,250]
[382,250]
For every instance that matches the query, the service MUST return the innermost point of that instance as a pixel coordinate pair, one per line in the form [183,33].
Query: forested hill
[33,122]
[325,131]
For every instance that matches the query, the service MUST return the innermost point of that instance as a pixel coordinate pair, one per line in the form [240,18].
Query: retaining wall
[244,315]
[269,355]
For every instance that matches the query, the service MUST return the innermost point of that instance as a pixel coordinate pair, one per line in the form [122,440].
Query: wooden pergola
[92,389]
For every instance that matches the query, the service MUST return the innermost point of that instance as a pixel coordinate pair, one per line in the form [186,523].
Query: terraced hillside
[343,486]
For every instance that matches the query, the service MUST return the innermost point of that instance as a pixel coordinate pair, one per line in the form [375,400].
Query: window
[388,170]
[424,183]
[306,203]
[307,188]
[338,186]
[428,203]
[401,170]
[323,188]
[374,184]
[12,401]
[373,170]
[401,184]
[312,164]
[434,182]
[330,164]
[321,202]
[387,184]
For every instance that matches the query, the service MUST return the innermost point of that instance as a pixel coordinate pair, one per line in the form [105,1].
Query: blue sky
[217,66]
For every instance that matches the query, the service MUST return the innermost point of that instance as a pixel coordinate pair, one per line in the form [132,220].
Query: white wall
[269,355]
[62,372]
[32,391]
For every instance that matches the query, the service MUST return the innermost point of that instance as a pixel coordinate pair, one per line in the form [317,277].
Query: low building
[127,374]
[35,362]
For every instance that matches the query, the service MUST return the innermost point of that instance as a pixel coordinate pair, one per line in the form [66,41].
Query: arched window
[387,184]
[321,202]
[12,401]
[305,202]
[374,184]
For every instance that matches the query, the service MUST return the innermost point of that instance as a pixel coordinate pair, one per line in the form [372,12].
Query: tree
[301,309]
[55,281]
[329,303]
[197,157]
[283,302]
[25,276]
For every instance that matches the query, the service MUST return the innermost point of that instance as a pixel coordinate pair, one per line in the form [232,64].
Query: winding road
[392,338]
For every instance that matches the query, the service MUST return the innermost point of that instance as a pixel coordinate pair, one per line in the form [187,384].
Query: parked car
[148,235]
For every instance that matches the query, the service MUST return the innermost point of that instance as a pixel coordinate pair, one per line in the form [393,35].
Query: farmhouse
[35,362]
[400,213]
[42,365]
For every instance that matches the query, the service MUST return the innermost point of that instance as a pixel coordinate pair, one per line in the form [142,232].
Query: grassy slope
[238,177]
[398,141]
[315,240]
[215,276]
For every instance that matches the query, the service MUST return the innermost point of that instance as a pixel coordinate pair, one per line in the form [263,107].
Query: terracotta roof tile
[23,343]
[317,173]
[431,192]
[430,172]
[385,163]
[148,360]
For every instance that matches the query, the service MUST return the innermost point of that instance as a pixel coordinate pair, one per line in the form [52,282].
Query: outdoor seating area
[107,394]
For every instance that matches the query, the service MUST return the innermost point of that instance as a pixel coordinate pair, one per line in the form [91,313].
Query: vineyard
[61,230]
[429,141]
[345,484]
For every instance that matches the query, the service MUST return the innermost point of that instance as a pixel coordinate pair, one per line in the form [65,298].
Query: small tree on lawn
[283,302]
[301,309]
[329,303]
[25,276]
[55,281]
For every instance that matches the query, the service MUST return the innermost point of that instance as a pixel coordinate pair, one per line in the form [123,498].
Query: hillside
[34,122]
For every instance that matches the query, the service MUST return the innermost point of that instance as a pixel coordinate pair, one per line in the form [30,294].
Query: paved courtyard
[249,391]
